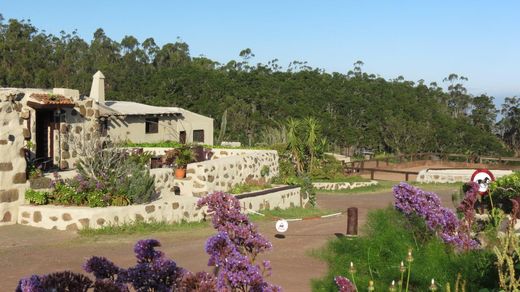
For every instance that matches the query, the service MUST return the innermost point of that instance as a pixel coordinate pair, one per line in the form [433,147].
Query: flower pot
[180,172]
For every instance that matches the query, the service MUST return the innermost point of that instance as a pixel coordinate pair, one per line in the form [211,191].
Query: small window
[198,136]
[152,126]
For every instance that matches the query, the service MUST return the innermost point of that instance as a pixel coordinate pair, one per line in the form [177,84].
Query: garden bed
[176,209]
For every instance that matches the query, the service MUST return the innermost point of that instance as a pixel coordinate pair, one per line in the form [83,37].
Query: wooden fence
[360,166]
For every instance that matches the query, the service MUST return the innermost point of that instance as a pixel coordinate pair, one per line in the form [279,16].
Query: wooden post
[377,163]
[352,221]
[406,177]
[372,174]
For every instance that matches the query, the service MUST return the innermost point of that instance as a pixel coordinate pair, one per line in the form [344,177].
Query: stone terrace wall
[13,131]
[164,181]
[74,218]
[227,169]
[173,209]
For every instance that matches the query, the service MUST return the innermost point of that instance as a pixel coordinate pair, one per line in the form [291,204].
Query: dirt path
[25,250]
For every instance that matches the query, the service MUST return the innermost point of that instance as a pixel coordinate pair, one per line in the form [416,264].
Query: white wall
[193,121]
[133,128]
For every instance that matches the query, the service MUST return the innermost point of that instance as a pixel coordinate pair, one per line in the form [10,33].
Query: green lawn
[142,228]
[291,213]
[355,178]
[387,186]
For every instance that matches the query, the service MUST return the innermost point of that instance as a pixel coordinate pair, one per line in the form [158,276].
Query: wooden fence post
[352,221]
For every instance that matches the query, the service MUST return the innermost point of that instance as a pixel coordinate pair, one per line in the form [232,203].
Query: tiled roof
[51,99]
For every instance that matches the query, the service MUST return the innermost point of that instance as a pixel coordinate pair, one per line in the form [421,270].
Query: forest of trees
[355,109]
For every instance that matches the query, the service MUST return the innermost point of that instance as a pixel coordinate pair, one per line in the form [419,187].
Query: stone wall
[282,199]
[74,218]
[333,186]
[13,132]
[227,169]
[453,175]
[164,181]
[172,209]
[78,126]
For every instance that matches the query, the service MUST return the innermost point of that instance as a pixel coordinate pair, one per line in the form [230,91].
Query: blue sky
[417,39]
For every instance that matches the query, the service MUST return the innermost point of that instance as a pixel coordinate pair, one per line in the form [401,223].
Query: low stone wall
[332,186]
[453,175]
[74,218]
[283,198]
[173,209]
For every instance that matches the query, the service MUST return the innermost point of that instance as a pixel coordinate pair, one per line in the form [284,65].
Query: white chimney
[97,91]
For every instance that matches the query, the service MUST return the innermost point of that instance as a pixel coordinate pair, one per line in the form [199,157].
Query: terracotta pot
[180,172]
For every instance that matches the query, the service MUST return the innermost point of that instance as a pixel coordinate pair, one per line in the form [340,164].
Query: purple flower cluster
[344,284]
[414,201]
[232,252]
[101,267]
[61,281]
[234,248]
[153,272]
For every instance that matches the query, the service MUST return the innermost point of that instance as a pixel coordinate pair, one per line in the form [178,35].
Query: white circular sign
[483,178]
[282,225]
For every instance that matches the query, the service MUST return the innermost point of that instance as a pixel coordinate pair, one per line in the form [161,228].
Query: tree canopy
[356,109]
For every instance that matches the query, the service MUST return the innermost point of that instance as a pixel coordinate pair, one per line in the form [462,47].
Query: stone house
[45,125]
[138,123]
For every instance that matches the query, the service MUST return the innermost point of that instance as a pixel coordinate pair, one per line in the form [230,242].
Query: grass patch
[388,236]
[247,188]
[381,186]
[385,185]
[141,227]
[175,144]
[295,212]
[350,179]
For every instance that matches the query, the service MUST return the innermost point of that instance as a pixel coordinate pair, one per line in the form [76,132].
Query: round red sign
[483,178]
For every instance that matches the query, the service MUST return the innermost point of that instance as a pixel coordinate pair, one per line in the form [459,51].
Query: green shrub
[139,186]
[506,187]
[265,171]
[389,235]
[65,194]
[329,168]
[248,187]
[36,197]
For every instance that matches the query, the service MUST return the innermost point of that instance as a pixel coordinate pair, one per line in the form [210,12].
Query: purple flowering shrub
[442,221]
[344,284]
[232,251]
[234,248]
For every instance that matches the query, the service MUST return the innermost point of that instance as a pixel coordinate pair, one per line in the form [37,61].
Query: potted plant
[184,157]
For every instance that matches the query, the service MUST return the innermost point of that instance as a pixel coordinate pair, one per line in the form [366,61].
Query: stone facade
[333,186]
[453,175]
[171,209]
[226,169]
